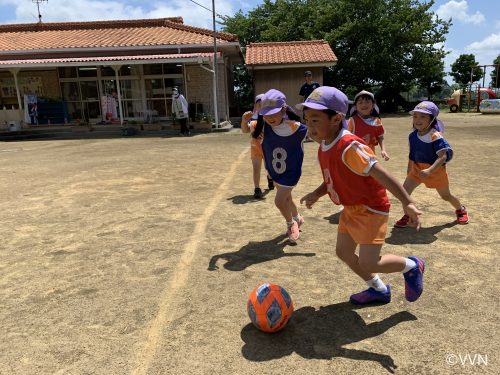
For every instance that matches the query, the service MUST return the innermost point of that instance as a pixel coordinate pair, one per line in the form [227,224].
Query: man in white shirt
[180,110]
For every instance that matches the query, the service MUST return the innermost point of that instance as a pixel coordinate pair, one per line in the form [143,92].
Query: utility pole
[38,7]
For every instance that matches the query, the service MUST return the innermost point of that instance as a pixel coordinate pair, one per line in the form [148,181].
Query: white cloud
[94,10]
[458,10]
[491,42]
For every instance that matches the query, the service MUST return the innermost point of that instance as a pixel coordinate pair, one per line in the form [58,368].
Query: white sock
[297,218]
[410,264]
[289,224]
[377,284]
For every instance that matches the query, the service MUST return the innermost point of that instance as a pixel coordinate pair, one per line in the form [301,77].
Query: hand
[424,173]
[247,116]
[414,214]
[384,155]
[309,199]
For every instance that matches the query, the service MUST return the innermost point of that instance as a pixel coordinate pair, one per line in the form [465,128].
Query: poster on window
[27,86]
[31,109]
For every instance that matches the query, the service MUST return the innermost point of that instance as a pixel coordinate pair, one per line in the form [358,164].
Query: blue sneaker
[371,295]
[414,280]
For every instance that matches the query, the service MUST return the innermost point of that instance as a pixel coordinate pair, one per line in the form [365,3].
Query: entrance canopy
[196,58]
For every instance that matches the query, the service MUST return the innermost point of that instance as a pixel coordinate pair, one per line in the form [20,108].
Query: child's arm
[313,197]
[245,119]
[383,152]
[391,184]
[439,162]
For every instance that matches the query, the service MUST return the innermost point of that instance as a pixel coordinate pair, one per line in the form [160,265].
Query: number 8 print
[279,157]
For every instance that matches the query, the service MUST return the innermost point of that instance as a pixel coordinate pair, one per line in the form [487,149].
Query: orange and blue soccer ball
[269,307]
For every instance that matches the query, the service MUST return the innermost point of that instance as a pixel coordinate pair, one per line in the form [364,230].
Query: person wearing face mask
[180,110]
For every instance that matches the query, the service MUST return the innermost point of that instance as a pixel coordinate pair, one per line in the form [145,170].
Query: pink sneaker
[462,216]
[293,232]
[300,221]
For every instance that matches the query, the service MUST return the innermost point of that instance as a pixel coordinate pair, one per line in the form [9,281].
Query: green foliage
[393,43]
[463,67]
[495,74]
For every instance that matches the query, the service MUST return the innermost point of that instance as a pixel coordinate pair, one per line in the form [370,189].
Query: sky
[475,29]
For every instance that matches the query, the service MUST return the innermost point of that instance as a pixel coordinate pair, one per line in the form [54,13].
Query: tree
[495,74]
[465,70]
[393,43]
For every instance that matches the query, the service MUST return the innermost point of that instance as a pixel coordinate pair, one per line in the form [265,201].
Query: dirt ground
[136,256]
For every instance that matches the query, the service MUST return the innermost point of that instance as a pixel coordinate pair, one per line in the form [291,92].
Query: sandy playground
[136,256]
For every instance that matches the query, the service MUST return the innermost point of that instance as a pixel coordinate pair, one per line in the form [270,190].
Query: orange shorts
[364,226]
[256,149]
[437,180]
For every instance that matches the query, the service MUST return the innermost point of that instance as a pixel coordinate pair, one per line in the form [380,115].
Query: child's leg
[257,165]
[410,185]
[371,261]
[284,201]
[346,251]
[447,196]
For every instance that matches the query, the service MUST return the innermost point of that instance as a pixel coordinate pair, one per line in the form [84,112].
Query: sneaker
[270,183]
[371,295]
[293,232]
[300,221]
[258,193]
[462,216]
[403,222]
[414,280]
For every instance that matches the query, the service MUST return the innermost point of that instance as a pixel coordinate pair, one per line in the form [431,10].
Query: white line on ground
[179,278]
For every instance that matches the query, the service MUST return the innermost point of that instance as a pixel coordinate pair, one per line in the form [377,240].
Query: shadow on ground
[401,236]
[321,334]
[243,199]
[254,253]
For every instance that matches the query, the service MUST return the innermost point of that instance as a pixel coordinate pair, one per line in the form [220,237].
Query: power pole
[38,7]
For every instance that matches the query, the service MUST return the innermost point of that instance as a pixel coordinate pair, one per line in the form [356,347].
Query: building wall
[287,80]
[200,89]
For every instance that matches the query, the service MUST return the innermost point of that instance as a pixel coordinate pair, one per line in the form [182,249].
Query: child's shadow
[321,334]
[334,218]
[401,236]
[244,199]
[253,253]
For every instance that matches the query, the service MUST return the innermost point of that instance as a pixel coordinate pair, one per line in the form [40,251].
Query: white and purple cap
[326,97]
[272,102]
[431,109]
[258,97]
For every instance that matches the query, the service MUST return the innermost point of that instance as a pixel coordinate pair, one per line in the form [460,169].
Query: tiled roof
[105,34]
[298,52]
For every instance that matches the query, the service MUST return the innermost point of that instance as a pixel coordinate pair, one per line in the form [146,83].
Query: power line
[210,10]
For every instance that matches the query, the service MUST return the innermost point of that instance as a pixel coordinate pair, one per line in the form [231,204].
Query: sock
[289,224]
[410,264]
[377,284]
[297,218]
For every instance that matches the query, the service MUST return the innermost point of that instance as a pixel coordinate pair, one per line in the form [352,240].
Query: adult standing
[309,86]
[180,110]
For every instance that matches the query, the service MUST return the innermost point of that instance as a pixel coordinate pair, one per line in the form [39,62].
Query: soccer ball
[269,307]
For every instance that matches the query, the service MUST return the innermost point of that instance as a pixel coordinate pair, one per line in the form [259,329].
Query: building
[281,65]
[72,68]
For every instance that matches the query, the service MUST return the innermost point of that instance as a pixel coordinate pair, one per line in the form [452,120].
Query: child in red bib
[353,177]
[366,123]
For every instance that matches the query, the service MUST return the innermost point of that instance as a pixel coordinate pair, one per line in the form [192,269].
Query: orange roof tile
[105,34]
[296,52]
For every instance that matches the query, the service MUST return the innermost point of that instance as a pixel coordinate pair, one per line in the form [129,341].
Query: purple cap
[258,97]
[431,109]
[326,97]
[272,102]
[426,107]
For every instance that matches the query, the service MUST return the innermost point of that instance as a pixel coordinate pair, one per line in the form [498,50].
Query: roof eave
[324,64]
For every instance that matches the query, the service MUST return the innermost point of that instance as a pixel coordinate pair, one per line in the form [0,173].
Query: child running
[429,153]
[249,124]
[353,177]
[283,154]
[366,123]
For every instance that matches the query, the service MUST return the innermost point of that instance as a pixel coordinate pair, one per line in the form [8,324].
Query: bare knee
[347,257]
